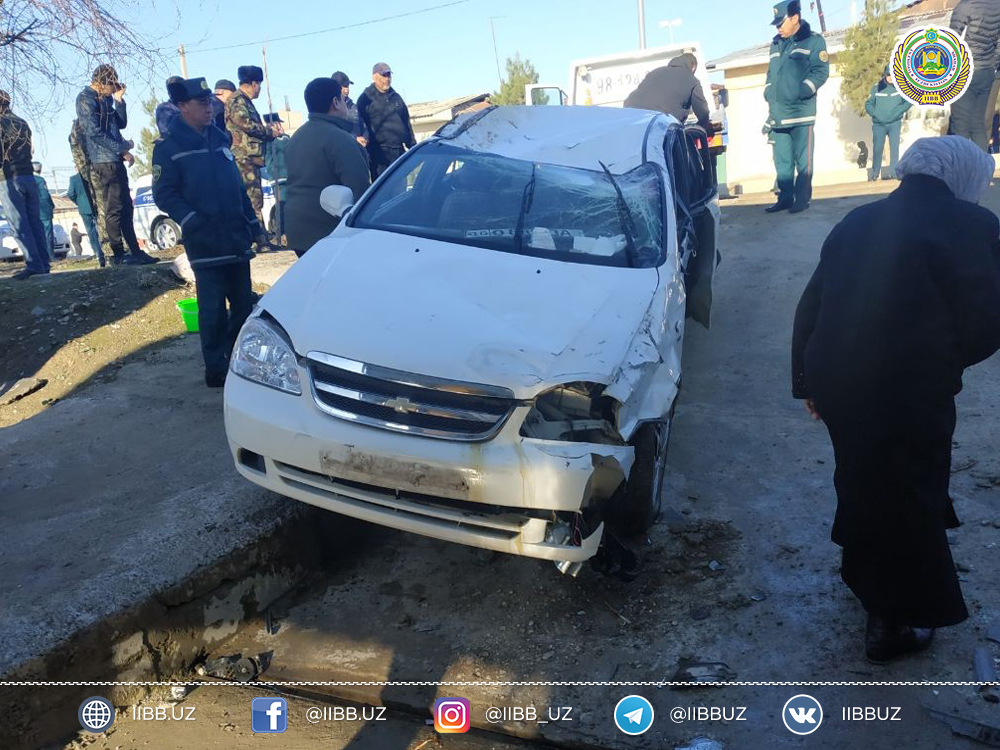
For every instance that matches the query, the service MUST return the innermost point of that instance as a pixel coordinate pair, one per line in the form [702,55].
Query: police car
[159,230]
[10,250]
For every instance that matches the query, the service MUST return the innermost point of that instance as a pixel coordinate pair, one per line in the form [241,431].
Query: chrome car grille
[405,402]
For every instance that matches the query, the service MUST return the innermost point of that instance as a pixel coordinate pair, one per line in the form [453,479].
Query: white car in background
[158,229]
[10,248]
[487,349]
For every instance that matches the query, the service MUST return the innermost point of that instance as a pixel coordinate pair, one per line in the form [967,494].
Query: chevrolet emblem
[401,405]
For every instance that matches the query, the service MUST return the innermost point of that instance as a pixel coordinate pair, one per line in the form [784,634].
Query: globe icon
[96,714]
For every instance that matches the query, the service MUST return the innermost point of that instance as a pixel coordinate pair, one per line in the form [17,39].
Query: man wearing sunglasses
[387,120]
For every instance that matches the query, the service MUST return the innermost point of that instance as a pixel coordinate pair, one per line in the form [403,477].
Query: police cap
[250,74]
[784,9]
[271,117]
[182,90]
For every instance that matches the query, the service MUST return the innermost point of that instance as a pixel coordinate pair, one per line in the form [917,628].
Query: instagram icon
[452,716]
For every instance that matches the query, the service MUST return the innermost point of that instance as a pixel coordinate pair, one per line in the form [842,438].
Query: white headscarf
[964,167]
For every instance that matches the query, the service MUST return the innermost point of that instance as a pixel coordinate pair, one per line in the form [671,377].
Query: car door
[696,205]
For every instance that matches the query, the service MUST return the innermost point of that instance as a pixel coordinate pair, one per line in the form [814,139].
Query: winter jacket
[799,66]
[165,114]
[979,23]
[78,194]
[322,152]
[101,121]
[357,127]
[218,113]
[248,131]
[274,158]
[387,120]
[46,206]
[673,90]
[885,105]
[196,181]
[15,146]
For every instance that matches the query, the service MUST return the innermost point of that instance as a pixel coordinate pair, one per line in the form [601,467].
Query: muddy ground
[739,570]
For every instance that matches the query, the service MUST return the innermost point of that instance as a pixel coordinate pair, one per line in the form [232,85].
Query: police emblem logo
[931,66]
[824,56]
[157,169]
[204,84]
[228,154]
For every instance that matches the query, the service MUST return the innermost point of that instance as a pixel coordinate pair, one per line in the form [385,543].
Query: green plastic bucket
[189,313]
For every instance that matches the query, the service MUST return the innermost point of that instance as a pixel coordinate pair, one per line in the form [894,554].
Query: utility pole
[496,55]
[184,62]
[822,18]
[642,24]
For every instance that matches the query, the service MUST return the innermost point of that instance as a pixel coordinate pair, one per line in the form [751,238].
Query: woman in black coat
[905,297]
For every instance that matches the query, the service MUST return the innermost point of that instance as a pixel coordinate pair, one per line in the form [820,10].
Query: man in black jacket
[978,21]
[19,192]
[196,181]
[898,307]
[673,90]
[384,114]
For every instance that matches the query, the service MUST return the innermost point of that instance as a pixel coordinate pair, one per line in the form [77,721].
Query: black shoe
[779,206]
[798,208]
[26,273]
[215,380]
[886,641]
[139,259]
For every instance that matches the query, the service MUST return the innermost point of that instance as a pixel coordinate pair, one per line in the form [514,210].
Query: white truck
[607,81]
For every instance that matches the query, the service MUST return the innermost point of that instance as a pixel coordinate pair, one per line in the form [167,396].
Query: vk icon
[634,714]
[802,714]
[268,715]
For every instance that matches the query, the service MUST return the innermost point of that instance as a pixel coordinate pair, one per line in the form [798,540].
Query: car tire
[639,505]
[165,234]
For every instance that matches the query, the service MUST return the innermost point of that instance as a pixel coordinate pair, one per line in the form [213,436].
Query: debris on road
[698,673]
[988,734]
[701,743]
[758,597]
[993,634]
[23,387]
[238,668]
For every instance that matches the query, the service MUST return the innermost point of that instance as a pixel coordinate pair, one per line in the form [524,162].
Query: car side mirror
[336,200]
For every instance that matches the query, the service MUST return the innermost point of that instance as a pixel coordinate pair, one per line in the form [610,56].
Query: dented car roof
[571,136]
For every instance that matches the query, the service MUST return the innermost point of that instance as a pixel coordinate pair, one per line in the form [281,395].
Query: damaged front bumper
[510,494]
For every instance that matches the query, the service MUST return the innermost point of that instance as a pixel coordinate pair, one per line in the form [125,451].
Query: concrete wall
[838,129]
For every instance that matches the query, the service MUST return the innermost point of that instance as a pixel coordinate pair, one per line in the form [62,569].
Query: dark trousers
[19,200]
[381,157]
[50,237]
[793,162]
[95,242]
[968,113]
[112,180]
[219,327]
[879,133]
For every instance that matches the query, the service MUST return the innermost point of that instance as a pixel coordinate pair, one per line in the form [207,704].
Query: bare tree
[49,48]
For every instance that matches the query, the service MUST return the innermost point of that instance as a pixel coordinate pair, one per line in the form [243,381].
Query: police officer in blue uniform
[799,65]
[196,181]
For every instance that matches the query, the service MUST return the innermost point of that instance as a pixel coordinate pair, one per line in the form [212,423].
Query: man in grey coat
[321,153]
[978,21]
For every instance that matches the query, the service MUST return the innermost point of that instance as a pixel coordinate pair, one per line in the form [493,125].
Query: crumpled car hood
[462,313]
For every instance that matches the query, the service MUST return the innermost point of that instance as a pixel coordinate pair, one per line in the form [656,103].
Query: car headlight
[575,412]
[263,355]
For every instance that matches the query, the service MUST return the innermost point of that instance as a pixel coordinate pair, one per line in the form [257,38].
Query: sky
[438,54]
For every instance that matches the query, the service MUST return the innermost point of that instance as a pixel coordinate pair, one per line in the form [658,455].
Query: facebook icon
[268,715]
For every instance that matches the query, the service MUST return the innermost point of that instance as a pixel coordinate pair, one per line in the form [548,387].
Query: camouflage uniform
[83,167]
[249,136]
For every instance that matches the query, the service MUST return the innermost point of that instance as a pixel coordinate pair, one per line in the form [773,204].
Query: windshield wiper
[526,198]
[624,219]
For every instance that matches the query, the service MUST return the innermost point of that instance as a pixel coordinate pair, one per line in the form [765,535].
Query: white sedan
[487,349]
[10,248]
[158,229]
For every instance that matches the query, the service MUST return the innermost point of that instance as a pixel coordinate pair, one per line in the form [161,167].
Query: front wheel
[640,503]
[166,234]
